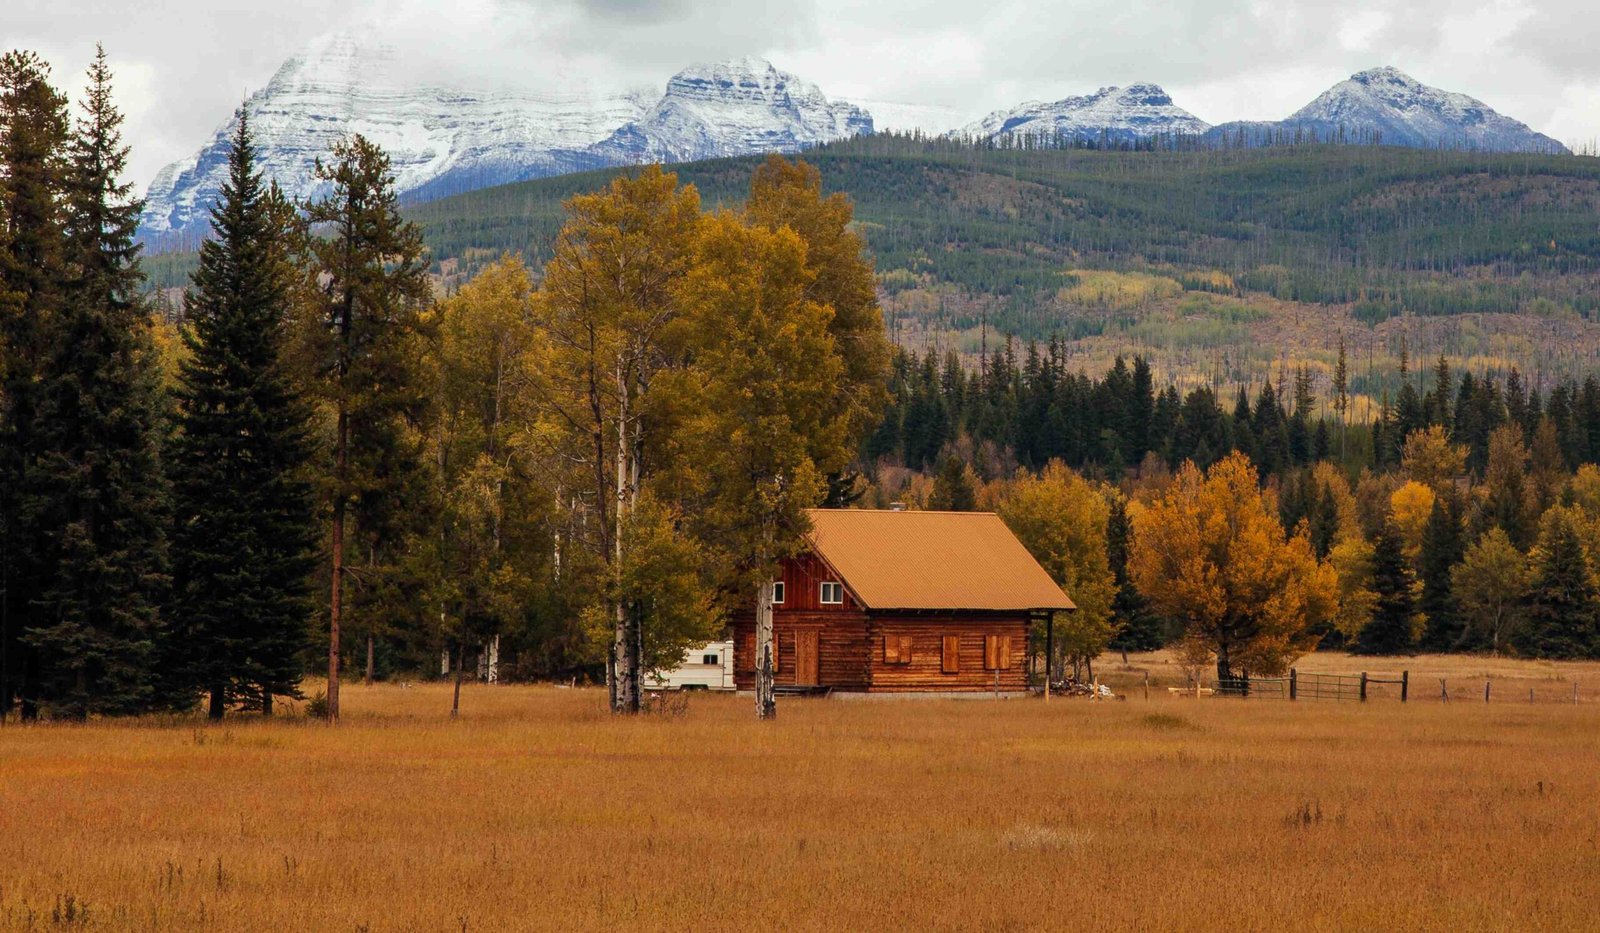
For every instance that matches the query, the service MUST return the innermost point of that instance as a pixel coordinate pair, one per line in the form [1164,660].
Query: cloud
[183,65]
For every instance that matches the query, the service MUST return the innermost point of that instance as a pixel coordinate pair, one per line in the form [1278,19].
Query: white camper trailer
[707,667]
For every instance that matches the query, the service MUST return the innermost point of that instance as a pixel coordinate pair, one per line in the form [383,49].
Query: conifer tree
[372,283]
[97,492]
[1443,546]
[1139,626]
[953,489]
[33,139]
[1389,631]
[1561,618]
[244,533]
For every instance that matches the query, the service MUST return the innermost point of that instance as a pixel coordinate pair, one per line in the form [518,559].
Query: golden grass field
[538,810]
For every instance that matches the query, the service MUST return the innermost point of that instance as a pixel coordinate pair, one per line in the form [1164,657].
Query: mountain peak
[1122,114]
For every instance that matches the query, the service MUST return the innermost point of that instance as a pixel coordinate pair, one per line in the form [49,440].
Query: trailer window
[708,659]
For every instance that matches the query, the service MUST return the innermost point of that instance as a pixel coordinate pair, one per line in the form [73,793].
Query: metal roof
[932,560]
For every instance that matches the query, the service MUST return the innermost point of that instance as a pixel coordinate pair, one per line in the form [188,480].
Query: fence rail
[1309,686]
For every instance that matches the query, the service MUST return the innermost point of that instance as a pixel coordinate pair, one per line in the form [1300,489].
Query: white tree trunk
[494,660]
[766,654]
[444,661]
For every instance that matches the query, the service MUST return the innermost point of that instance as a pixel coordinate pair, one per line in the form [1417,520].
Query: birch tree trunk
[766,699]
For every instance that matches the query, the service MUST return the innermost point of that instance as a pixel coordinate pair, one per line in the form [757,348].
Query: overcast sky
[183,65]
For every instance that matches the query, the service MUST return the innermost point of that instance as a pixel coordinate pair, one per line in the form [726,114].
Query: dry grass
[538,810]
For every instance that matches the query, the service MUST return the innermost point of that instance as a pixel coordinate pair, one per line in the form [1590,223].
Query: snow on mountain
[443,140]
[1120,114]
[439,139]
[737,107]
[1386,105]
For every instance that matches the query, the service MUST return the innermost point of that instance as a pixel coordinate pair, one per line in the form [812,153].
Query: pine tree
[1389,631]
[372,282]
[1140,629]
[1561,618]
[33,140]
[1443,546]
[97,491]
[244,532]
[953,490]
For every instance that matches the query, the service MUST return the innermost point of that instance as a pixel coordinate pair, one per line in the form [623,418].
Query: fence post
[1294,684]
[1574,694]
[1405,685]
[1444,691]
[1486,690]
[1363,686]
[1147,685]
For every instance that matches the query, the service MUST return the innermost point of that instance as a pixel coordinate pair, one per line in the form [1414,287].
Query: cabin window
[708,659]
[832,594]
[950,659]
[897,649]
[777,592]
[997,652]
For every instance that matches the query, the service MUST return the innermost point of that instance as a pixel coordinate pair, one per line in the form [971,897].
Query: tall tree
[96,492]
[608,306]
[372,284]
[760,429]
[1212,553]
[1443,546]
[1389,631]
[1062,521]
[244,539]
[1562,609]
[1489,585]
[33,138]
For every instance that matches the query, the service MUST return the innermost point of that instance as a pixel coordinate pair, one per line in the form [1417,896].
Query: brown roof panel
[932,560]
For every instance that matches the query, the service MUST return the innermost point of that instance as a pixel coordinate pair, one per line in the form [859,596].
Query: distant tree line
[1464,516]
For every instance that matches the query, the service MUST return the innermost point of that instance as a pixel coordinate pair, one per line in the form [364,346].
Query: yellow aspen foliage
[1409,507]
[1430,459]
[1212,553]
[1061,519]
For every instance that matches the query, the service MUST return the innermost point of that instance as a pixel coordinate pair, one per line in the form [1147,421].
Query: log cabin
[900,601]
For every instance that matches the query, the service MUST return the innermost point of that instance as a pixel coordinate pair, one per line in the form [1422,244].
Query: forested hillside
[1227,265]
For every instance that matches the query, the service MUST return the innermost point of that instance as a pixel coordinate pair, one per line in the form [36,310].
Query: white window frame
[777,592]
[838,591]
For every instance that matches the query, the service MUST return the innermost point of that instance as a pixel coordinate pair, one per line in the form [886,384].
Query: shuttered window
[997,652]
[951,658]
[897,649]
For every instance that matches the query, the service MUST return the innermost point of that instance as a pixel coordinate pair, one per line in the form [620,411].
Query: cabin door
[805,658]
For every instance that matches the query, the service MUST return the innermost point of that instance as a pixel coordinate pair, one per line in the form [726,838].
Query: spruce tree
[1561,606]
[97,492]
[372,284]
[1443,546]
[244,532]
[1389,630]
[953,490]
[33,141]
[1141,628]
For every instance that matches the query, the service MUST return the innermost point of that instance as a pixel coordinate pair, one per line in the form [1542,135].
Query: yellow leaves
[1409,507]
[1212,553]
[1430,459]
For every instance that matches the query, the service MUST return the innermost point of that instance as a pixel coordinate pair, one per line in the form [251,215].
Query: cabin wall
[802,587]
[925,671]
[842,647]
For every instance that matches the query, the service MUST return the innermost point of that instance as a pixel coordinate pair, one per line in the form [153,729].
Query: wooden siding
[925,672]
[802,587]
[842,660]
[850,650]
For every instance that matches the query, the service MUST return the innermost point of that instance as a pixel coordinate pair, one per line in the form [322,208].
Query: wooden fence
[1309,686]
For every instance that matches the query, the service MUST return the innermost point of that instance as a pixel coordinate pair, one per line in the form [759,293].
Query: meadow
[538,810]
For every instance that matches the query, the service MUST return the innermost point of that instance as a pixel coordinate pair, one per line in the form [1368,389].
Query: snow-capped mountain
[1388,106]
[1117,114]
[731,108]
[440,139]
[443,140]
